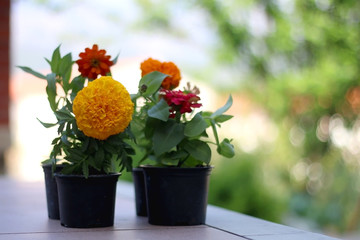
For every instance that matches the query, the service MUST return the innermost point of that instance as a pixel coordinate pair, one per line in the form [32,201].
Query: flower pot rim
[185,168]
[50,164]
[90,175]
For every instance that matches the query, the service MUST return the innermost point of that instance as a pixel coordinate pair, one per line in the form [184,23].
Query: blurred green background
[293,68]
[298,62]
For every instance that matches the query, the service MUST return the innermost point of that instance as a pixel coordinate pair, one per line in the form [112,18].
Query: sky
[114,25]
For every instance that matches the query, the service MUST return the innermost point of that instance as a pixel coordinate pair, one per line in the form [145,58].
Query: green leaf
[177,154]
[64,115]
[55,60]
[99,155]
[223,109]
[160,111]
[69,169]
[93,144]
[126,162]
[115,59]
[114,163]
[92,163]
[61,127]
[166,136]
[64,139]
[150,83]
[74,155]
[226,149]
[222,118]
[47,125]
[198,150]
[51,90]
[84,145]
[85,169]
[76,85]
[110,148]
[55,140]
[29,70]
[169,161]
[134,96]
[65,68]
[196,126]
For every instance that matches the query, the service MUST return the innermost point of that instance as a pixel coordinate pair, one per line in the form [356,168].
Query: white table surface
[23,215]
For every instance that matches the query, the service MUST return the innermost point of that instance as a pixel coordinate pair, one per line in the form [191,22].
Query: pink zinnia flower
[180,101]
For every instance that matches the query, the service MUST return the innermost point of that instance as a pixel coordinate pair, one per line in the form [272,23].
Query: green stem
[178,116]
[182,162]
[215,133]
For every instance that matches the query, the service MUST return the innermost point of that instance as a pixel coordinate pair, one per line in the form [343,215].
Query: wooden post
[4,80]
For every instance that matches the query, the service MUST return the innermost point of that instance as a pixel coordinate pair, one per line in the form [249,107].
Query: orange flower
[93,62]
[169,68]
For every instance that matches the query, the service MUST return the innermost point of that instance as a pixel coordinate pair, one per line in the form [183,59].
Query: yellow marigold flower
[169,68]
[103,108]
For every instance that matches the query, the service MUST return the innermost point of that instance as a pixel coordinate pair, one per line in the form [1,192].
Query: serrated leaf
[93,144]
[167,136]
[76,85]
[150,83]
[61,127]
[65,67]
[74,155]
[29,70]
[198,150]
[47,125]
[127,162]
[85,145]
[55,140]
[99,155]
[69,169]
[55,60]
[64,115]
[224,108]
[51,90]
[109,148]
[64,139]
[160,111]
[92,163]
[195,126]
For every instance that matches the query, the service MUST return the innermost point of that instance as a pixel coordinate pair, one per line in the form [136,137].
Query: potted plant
[174,136]
[138,125]
[51,191]
[92,115]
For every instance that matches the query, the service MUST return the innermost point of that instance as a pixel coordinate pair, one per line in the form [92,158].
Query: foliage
[303,69]
[244,185]
[83,154]
[162,129]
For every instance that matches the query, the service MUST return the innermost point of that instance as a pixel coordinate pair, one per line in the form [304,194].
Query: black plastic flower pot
[177,196]
[140,193]
[87,202]
[51,190]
